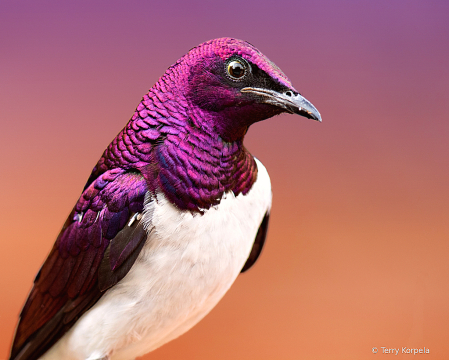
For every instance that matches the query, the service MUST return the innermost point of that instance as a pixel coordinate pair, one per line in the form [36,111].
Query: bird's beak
[290,101]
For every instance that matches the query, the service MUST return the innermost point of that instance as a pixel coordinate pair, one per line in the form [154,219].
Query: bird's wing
[95,249]
[258,243]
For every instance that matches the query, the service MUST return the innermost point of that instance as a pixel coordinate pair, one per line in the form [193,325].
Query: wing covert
[77,272]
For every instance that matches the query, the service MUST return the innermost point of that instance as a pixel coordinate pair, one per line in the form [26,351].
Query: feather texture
[173,211]
[67,284]
[186,265]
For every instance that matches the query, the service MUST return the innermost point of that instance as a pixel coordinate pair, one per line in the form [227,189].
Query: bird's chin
[232,123]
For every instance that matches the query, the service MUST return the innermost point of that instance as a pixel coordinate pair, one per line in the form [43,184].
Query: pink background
[358,247]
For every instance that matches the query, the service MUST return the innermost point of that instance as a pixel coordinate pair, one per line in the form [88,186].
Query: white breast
[186,266]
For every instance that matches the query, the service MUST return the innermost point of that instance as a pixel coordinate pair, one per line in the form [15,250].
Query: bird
[175,209]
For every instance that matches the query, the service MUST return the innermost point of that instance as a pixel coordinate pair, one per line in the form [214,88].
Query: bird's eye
[237,69]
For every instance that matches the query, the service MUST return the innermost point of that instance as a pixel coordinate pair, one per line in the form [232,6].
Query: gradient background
[358,246]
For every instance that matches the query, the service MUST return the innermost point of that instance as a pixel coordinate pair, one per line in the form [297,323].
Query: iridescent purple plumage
[185,141]
[187,151]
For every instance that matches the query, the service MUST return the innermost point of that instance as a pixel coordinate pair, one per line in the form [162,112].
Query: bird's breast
[187,264]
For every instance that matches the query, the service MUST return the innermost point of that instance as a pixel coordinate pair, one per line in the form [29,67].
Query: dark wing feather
[80,267]
[127,245]
[258,243]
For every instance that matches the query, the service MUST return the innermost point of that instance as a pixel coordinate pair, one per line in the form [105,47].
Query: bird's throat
[194,172]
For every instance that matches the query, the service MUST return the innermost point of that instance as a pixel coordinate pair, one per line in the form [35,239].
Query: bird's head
[229,85]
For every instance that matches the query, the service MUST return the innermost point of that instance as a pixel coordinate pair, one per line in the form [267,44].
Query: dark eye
[237,69]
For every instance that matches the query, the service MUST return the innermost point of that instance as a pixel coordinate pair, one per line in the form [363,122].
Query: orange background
[358,252]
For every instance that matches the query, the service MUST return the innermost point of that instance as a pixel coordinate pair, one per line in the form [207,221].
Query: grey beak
[290,101]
